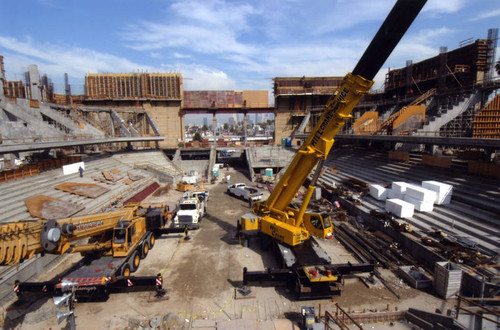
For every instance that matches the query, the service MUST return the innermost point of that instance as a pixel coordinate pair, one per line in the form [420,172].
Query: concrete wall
[169,121]
[283,125]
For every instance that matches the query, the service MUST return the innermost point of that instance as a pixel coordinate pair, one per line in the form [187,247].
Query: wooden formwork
[368,123]
[133,85]
[487,122]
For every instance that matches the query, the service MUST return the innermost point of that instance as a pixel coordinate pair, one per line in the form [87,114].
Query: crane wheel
[152,240]
[125,270]
[134,261]
[144,249]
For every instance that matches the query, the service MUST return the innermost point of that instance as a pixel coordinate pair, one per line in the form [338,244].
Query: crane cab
[319,225]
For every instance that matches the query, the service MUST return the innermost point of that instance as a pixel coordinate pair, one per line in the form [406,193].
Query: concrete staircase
[68,122]
[447,115]
[20,120]
[125,130]
[24,114]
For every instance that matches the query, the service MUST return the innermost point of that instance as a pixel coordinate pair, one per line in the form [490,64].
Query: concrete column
[34,82]
[2,75]
[245,127]
[214,123]
[431,149]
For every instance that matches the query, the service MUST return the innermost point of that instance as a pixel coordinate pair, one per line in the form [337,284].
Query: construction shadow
[230,236]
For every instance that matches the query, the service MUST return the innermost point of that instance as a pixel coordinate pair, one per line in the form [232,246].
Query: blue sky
[222,45]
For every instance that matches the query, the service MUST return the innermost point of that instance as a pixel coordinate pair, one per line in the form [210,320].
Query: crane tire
[125,271]
[145,248]
[151,240]
[134,261]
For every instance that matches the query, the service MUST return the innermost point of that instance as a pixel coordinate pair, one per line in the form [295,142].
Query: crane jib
[329,115]
[89,225]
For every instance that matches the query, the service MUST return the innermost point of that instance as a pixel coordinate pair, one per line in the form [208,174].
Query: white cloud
[200,77]
[443,7]
[179,55]
[203,26]
[55,60]
[490,14]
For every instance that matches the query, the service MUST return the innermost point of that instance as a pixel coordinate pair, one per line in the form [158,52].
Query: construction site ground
[201,275]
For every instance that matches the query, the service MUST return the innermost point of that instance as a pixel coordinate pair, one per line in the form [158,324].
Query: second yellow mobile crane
[111,243]
[303,262]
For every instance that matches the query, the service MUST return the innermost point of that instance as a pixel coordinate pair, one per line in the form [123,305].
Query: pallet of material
[399,208]
[443,191]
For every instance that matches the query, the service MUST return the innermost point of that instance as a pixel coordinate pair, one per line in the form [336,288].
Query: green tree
[197,137]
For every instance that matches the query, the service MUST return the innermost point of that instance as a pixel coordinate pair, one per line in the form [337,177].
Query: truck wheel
[134,261]
[125,271]
[144,249]
[152,240]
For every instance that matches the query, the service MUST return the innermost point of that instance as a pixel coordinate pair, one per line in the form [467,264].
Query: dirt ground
[201,275]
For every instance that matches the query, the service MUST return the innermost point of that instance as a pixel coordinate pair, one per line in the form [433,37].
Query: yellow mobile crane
[292,228]
[117,241]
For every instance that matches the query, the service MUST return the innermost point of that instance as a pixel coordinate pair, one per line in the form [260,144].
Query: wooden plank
[45,207]
[82,189]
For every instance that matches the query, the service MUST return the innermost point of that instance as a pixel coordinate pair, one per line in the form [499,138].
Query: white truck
[245,192]
[190,212]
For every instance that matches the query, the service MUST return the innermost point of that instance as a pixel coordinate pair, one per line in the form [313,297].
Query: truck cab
[189,214]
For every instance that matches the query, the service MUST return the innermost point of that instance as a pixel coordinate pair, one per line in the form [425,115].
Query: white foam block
[444,191]
[399,187]
[378,192]
[421,206]
[393,194]
[399,208]
[422,194]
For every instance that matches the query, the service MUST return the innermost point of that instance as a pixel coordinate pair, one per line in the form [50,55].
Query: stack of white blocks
[398,190]
[403,198]
[423,199]
[443,191]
